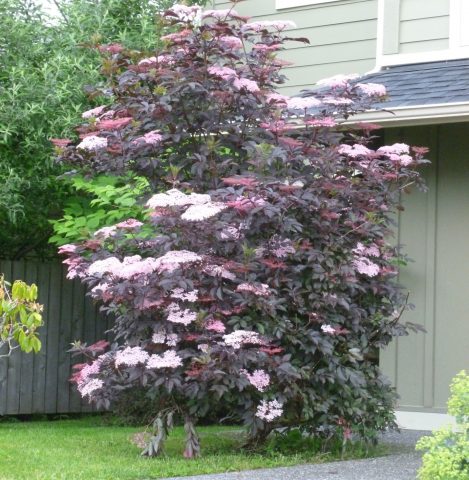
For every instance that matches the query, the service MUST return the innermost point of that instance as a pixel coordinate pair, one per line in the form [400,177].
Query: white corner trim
[282,4]
[458,39]
[423,420]
[416,115]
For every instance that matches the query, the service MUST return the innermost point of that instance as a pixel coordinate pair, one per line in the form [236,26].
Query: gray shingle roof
[424,83]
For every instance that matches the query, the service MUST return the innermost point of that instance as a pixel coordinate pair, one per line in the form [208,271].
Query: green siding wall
[434,231]
[342,36]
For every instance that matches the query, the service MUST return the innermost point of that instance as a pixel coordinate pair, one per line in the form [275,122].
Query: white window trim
[455,50]
[282,4]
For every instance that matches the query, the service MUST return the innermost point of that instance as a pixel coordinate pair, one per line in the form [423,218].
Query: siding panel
[342,36]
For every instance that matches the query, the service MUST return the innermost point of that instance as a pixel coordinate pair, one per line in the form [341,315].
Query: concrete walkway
[398,466]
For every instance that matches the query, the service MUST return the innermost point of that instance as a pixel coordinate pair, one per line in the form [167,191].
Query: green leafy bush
[99,202]
[447,450]
[20,317]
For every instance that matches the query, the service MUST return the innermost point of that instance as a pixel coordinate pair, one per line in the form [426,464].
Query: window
[280,4]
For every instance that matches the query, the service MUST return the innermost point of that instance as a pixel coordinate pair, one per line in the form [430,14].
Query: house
[420,50]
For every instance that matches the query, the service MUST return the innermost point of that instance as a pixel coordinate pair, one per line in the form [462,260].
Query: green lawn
[91,449]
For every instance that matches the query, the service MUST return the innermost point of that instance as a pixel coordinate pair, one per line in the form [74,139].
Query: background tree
[44,67]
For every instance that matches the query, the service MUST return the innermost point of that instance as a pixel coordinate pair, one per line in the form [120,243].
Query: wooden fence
[40,383]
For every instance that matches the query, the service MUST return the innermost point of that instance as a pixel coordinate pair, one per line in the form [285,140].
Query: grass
[92,449]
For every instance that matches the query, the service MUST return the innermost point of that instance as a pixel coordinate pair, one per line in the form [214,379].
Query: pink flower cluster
[354,151]
[368,251]
[246,84]
[327,122]
[197,213]
[92,143]
[220,14]
[175,198]
[150,138]
[178,315]
[86,389]
[372,89]
[169,359]
[261,290]
[231,42]
[216,326]
[283,249]
[218,271]
[330,100]
[186,14]
[302,103]
[222,72]
[238,338]
[173,259]
[131,356]
[399,153]
[365,266]
[170,339]
[260,379]
[278,25]
[269,410]
[128,268]
[337,81]
[181,294]
[94,112]
[106,232]
[328,329]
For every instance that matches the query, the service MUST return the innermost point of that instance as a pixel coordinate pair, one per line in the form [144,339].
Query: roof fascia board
[416,115]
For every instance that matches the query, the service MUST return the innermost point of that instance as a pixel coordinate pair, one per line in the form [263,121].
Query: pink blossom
[337,100]
[169,359]
[405,160]
[106,232]
[396,148]
[238,338]
[108,265]
[231,42]
[86,389]
[197,213]
[354,151]
[203,347]
[217,271]
[186,14]
[88,370]
[261,290]
[181,294]
[173,259]
[369,251]
[133,266]
[337,80]
[150,138]
[147,61]
[177,36]
[175,198]
[158,338]
[220,14]
[328,329]
[262,47]
[278,126]
[170,339]
[75,267]
[365,266]
[269,410]
[101,287]
[278,25]
[302,103]
[283,249]
[131,356]
[277,98]
[130,223]
[230,233]
[322,122]
[178,315]
[259,379]
[216,326]
[94,112]
[222,72]
[372,89]
[67,249]
[92,143]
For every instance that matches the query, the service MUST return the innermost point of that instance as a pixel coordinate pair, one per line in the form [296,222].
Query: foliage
[20,317]
[264,279]
[91,449]
[43,69]
[447,451]
[104,200]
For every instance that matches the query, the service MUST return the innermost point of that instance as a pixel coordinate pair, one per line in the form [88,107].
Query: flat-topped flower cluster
[263,277]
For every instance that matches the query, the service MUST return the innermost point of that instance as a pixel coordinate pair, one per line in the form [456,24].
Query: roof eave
[407,116]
